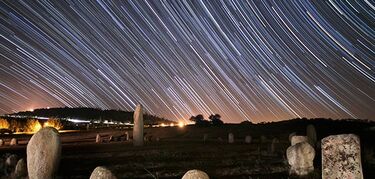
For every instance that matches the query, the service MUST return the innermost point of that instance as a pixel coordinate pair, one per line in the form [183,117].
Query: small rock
[248,139]
[98,139]
[43,153]
[21,169]
[341,157]
[14,141]
[102,173]
[230,138]
[300,158]
[195,174]
[126,136]
[298,139]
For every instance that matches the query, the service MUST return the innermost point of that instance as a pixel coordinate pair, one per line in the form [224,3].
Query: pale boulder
[43,153]
[301,158]
[195,174]
[102,173]
[230,138]
[13,141]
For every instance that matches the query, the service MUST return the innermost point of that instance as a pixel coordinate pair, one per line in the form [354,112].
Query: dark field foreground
[179,150]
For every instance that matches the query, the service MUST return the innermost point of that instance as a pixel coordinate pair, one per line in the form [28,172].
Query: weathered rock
[341,157]
[11,161]
[311,135]
[300,157]
[195,174]
[230,138]
[43,153]
[98,138]
[14,141]
[248,139]
[2,142]
[298,139]
[21,169]
[102,173]
[138,126]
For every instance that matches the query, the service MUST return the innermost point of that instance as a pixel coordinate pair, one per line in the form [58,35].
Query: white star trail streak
[258,60]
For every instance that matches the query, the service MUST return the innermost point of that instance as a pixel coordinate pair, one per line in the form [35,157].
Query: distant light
[47,107]
[181,124]
[162,125]
[171,124]
[31,110]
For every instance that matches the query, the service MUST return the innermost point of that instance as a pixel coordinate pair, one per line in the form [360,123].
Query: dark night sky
[254,60]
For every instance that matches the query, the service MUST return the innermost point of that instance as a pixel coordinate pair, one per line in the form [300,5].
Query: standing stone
[263,139]
[21,169]
[98,139]
[138,126]
[11,161]
[14,141]
[298,139]
[274,142]
[111,138]
[205,137]
[43,153]
[126,136]
[102,173]
[2,142]
[341,157]
[301,158]
[230,138]
[311,134]
[248,139]
[87,126]
[195,174]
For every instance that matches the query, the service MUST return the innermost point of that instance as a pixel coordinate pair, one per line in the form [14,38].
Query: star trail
[258,60]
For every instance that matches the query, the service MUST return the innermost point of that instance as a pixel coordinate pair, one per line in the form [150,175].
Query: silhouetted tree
[215,120]
[199,120]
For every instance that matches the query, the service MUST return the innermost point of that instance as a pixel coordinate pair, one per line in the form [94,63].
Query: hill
[91,114]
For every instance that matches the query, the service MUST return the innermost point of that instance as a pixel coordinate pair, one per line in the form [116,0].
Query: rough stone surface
[43,153]
[230,138]
[341,157]
[2,142]
[21,169]
[311,134]
[14,141]
[248,139]
[98,139]
[102,173]
[138,126]
[300,157]
[298,139]
[195,174]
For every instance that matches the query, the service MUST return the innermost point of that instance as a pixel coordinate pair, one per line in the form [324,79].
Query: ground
[177,151]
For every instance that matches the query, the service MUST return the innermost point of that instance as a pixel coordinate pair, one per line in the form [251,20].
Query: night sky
[246,60]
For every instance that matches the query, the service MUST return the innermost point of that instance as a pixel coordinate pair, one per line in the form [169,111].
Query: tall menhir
[138,126]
